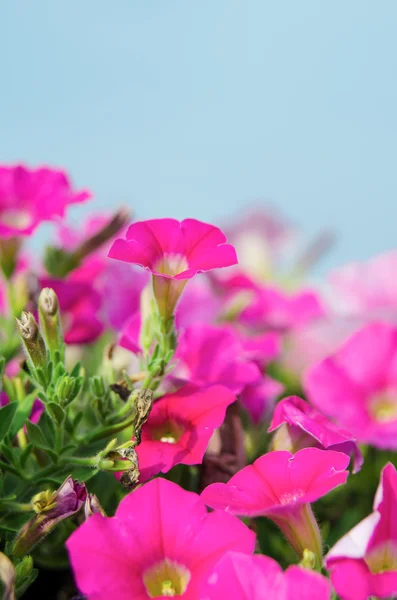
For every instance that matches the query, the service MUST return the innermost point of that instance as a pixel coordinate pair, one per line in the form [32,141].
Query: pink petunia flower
[173,252]
[208,355]
[357,385]
[254,577]
[281,486]
[179,428]
[300,425]
[30,196]
[161,542]
[363,563]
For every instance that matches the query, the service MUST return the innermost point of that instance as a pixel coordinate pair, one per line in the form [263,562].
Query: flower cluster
[184,414]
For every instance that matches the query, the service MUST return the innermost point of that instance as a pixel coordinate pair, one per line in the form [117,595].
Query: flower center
[383,406]
[167,578]
[171,264]
[16,218]
[382,558]
[169,432]
[291,497]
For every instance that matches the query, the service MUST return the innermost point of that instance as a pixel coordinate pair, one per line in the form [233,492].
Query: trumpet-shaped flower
[255,577]
[173,252]
[363,563]
[179,428]
[357,385]
[300,425]
[161,542]
[30,196]
[281,486]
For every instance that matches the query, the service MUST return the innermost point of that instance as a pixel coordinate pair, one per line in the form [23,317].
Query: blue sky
[196,108]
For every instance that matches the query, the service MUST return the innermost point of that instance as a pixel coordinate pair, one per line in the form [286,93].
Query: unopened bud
[32,340]
[92,506]
[50,321]
[124,459]
[43,501]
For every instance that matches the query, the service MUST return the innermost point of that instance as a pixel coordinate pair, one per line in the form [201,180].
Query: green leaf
[6,416]
[23,411]
[25,455]
[35,435]
[56,412]
[47,427]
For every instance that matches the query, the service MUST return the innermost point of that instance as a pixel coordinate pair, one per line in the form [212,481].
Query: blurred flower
[357,385]
[30,196]
[281,486]
[179,428]
[51,508]
[208,355]
[299,425]
[259,398]
[367,287]
[255,577]
[363,563]
[161,542]
[173,252]
[7,577]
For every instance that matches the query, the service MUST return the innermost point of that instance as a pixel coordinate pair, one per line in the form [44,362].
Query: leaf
[6,415]
[35,435]
[23,411]
[47,427]
[56,412]
[25,455]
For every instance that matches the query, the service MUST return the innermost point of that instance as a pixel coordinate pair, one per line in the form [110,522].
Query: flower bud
[50,321]
[51,508]
[32,340]
[124,458]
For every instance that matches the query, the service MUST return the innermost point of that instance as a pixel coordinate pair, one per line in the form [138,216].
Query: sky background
[199,108]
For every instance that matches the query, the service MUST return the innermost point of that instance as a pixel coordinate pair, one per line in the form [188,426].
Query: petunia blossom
[208,355]
[30,196]
[299,425]
[363,563]
[179,428]
[161,542]
[173,252]
[361,378]
[255,577]
[281,486]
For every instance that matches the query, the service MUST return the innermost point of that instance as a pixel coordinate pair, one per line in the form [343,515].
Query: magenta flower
[259,398]
[300,425]
[363,563]
[173,252]
[208,355]
[28,197]
[357,385]
[179,428]
[281,486]
[161,542]
[254,577]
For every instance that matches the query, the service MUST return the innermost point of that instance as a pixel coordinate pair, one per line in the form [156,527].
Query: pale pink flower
[254,577]
[179,428]
[173,252]
[281,486]
[161,542]
[357,385]
[363,563]
[299,425]
[30,196]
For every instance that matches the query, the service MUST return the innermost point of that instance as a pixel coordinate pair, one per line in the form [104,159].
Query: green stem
[6,467]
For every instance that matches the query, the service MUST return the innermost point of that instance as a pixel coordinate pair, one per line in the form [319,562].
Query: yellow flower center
[167,578]
[171,264]
[43,501]
[383,406]
[16,218]
[169,432]
[383,558]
